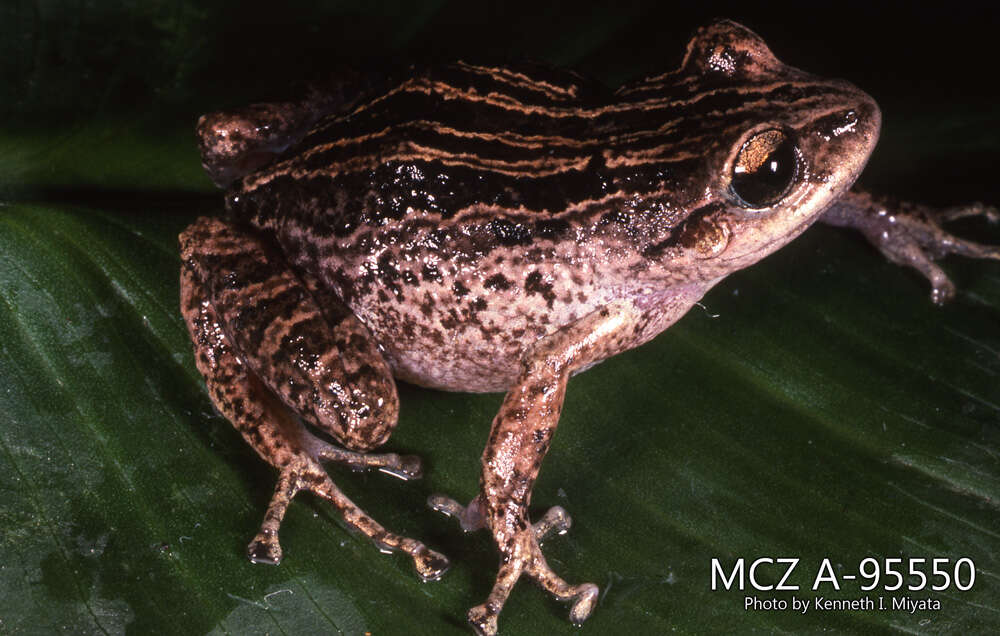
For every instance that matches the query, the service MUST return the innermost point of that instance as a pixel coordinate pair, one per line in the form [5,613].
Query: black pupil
[764,169]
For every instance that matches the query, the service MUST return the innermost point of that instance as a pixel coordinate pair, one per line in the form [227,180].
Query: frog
[500,228]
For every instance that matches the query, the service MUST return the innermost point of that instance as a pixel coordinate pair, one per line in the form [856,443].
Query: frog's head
[774,147]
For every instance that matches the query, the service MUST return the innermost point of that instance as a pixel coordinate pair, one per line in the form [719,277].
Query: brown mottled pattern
[331,372]
[237,397]
[492,228]
[235,143]
[217,264]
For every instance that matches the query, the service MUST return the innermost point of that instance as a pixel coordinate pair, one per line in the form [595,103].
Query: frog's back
[441,142]
[431,209]
[454,213]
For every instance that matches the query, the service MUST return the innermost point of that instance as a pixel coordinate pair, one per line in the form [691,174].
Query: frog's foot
[235,143]
[470,518]
[526,558]
[911,235]
[990,212]
[556,521]
[303,474]
[405,467]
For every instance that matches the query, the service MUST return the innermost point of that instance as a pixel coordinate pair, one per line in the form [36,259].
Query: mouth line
[785,237]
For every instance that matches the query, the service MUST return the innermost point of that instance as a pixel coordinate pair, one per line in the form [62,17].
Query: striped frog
[479,228]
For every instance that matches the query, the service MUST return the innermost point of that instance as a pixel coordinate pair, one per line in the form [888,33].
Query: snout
[842,141]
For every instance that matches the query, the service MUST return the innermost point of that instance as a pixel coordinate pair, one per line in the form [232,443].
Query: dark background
[167,61]
[118,55]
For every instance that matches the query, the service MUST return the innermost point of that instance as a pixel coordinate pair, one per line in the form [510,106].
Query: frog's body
[469,211]
[482,229]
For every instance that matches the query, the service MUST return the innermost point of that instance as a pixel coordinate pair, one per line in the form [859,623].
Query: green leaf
[817,406]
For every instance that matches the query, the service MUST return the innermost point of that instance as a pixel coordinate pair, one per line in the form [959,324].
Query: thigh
[319,360]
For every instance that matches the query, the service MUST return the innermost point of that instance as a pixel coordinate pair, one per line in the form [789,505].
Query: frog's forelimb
[519,438]
[256,327]
[910,234]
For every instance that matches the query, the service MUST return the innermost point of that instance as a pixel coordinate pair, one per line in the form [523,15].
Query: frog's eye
[765,169]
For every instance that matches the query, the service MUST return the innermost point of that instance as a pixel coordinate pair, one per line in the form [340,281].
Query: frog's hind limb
[520,436]
[235,143]
[911,235]
[240,304]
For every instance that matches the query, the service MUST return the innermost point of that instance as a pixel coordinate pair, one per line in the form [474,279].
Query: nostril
[846,122]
